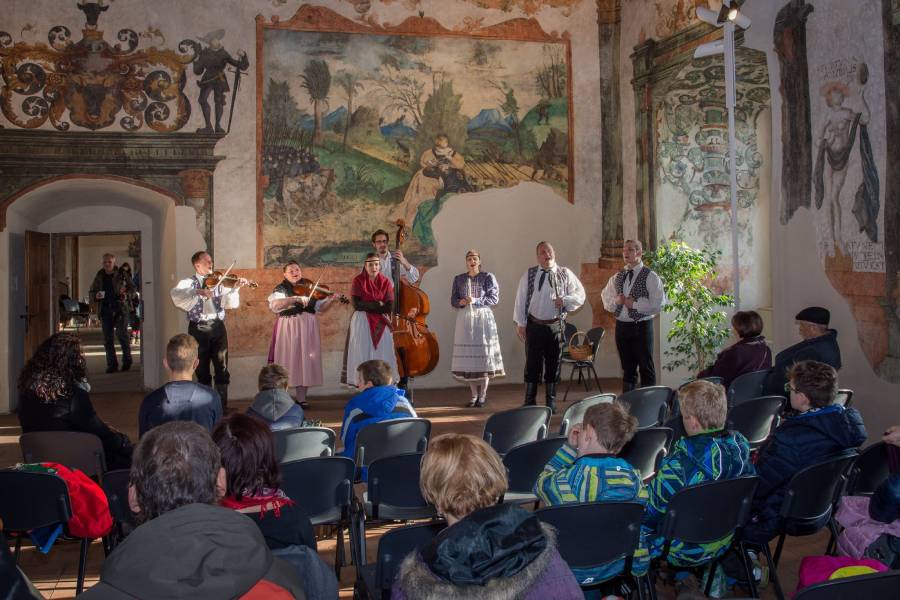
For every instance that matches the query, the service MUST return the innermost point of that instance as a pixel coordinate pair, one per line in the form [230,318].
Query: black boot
[222,389]
[530,394]
[627,386]
[550,396]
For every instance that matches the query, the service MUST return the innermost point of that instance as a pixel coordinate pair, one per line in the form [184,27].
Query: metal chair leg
[18,548]
[773,571]
[748,570]
[779,548]
[571,376]
[82,565]
[596,379]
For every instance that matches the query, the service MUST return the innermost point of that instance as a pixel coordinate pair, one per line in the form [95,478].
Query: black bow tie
[629,275]
[543,278]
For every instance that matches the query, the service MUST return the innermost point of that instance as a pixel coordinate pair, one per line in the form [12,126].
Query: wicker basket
[582,351]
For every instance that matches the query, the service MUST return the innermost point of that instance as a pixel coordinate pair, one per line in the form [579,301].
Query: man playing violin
[296,342]
[205,299]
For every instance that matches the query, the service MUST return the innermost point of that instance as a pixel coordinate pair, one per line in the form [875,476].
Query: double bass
[416,347]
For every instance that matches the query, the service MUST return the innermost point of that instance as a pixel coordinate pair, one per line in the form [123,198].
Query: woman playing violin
[370,335]
[296,342]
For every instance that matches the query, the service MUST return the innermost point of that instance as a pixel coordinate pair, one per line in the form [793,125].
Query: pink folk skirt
[296,346]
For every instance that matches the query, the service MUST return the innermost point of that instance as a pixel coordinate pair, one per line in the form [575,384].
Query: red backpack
[90,509]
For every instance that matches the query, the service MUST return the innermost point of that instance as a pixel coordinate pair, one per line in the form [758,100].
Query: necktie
[629,276]
[543,278]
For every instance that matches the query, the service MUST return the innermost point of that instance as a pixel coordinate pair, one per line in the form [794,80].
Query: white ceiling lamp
[728,17]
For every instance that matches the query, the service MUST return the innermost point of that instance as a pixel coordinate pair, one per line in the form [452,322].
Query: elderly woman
[489,551]
[53,397]
[476,345]
[749,353]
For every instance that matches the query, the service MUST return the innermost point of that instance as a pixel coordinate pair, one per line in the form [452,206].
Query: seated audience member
[819,344]
[273,404]
[488,550]
[52,397]
[252,486]
[181,399]
[586,469]
[750,353]
[708,453]
[377,401]
[187,546]
[821,430]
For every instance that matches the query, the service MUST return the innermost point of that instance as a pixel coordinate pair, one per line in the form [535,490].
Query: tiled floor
[55,573]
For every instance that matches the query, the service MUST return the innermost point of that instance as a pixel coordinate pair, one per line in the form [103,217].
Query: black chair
[74,449]
[523,466]
[755,418]
[303,442]
[844,397]
[510,428]
[809,501]
[375,581]
[648,404]
[708,512]
[575,413]
[33,500]
[585,367]
[876,585]
[746,387]
[389,438]
[393,490]
[646,450]
[115,485]
[592,534]
[869,470]
[323,487]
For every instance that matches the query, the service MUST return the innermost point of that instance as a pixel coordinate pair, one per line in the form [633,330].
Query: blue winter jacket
[373,405]
[797,443]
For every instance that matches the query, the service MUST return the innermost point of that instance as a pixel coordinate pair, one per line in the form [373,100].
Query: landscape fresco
[361,129]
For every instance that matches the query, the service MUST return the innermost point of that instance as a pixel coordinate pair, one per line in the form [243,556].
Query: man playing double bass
[381,242]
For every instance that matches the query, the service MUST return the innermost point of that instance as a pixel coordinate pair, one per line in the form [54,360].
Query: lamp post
[728,17]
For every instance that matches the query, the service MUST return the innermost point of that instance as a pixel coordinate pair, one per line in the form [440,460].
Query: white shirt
[185,297]
[649,306]
[412,275]
[542,306]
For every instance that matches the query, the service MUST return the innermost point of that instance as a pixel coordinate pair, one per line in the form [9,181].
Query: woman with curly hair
[52,397]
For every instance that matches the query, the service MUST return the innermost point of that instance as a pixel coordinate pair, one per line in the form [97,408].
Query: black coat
[74,412]
[744,356]
[823,348]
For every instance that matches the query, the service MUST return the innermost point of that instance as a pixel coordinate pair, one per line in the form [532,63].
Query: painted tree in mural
[441,115]
[551,79]
[350,83]
[316,80]
[282,115]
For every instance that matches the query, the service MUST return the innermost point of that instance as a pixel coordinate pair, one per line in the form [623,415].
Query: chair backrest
[877,585]
[74,449]
[646,449]
[574,414]
[594,533]
[844,397]
[510,428]
[322,486]
[812,492]
[747,386]
[595,336]
[389,438]
[869,470]
[708,511]
[394,480]
[395,545]
[755,418]
[648,404]
[568,332]
[31,500]
[303,442]
[524,463]
[115,484]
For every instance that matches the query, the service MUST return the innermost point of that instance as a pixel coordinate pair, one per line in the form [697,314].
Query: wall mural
[840,75]
[692,153]
[361,125]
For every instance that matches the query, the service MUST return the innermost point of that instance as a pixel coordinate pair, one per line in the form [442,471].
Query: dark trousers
[634,341]
[115,324]
[543,348]
[212,342]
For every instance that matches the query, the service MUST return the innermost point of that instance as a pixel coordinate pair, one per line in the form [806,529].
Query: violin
[227,281]
[316,291]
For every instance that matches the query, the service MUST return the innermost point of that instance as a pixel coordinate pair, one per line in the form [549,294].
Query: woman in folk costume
[476,345]
[296,343]
[370,336]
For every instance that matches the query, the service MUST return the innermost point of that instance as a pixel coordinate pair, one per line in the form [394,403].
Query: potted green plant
[699,327]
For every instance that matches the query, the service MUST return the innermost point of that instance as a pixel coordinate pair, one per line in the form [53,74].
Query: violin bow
[227,271]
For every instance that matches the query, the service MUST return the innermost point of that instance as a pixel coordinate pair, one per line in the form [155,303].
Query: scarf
[268,499]
[379,290]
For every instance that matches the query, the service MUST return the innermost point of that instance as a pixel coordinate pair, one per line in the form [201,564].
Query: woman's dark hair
[57,365]
[126,266]
[248,455]
[747,323]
